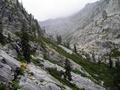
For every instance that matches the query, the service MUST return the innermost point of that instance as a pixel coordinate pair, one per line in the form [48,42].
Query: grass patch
[79,72]
[115,52]
[100,72]
[56,74]
[15,85]
[37,62]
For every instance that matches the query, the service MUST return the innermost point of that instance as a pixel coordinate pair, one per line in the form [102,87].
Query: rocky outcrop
[13,15]
[37,76]
[13,63]
[79,80]
[8,67]
[39,80]
[94,29]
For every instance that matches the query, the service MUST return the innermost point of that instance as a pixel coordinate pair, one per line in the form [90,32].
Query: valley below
[79,52]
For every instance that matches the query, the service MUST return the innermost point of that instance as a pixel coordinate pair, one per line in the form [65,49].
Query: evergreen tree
[25,43]
[75,48]
[59,39]
[67,44]
[93,56]
[2,38]
[104,14]
[110,61]
[38,28]
[68,70]
[117,64]
[117,75]
[9,38]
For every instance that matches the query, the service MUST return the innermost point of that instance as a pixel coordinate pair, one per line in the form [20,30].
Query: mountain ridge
[30,60]
[82,30]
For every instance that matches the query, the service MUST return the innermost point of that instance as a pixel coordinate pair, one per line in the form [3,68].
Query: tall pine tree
[68,70]
[2,38]
[75,48]
[25,43]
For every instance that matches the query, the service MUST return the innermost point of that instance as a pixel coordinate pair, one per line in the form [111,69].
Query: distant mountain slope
[21,38]
[96,28]
[51,66]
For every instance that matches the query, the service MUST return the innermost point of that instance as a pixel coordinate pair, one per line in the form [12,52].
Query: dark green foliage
[67,44]
[117,64]
[45,56]
[56,74]
[75,48]
[59,39]
[79,72]
[34,30]
[9,38]
[117,75]
[2,87]
[21,71]
[93,56]
[102,71]
[17,72]
[104,15]
[2,38]
[110,62]
[115,52]
[38,28]
[37,62]
[15,85]
[68,70]
[118,36]
[25,43]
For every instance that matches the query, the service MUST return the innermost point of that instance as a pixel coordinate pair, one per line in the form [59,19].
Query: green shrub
[22,68]
[115,52]
[103,72]
[79,72]
[15,85]
[56,74]
[2,87]
[37,62]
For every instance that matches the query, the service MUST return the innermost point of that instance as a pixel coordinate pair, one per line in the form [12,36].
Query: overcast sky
[49,9]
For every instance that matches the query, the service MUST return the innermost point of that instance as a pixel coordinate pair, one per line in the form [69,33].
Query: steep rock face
[99,35]
[39,81]
[37,76]
[89,30]
[8,66]
[12,15]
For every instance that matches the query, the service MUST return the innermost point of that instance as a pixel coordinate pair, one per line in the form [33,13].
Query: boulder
[5,72]
[13,63]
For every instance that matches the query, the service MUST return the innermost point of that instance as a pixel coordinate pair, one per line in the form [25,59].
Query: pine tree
[110,62]
[117,64]
[9,38]
[59,39]
[2,38]
[93,56]
[68,70]
[75,48]
[104,14]
[67,44]
[25,43]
